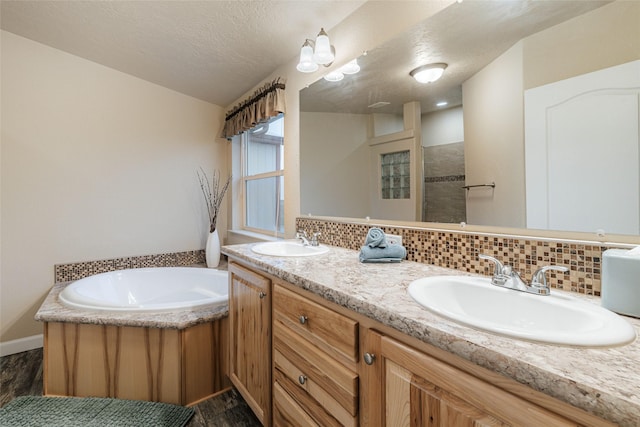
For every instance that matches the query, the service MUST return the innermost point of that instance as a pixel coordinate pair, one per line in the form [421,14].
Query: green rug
[37,411]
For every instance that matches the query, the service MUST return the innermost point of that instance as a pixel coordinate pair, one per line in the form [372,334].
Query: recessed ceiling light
[378,104]
[442,104]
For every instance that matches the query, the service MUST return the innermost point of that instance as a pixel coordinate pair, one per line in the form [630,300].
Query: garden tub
[148,289]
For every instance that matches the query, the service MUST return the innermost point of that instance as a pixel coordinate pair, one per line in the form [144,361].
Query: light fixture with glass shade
[324,53]
[334,76]
[428,73]
[312,54]
[307,64]
[350,67]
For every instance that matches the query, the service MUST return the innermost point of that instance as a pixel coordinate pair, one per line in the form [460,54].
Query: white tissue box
[621,281]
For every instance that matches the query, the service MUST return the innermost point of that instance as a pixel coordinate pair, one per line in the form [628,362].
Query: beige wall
[583,44]
[336,147]
[493,142]
[95,164]
[494,101]
[442,127]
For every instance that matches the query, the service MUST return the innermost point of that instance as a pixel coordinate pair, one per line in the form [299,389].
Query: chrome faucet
[506,277]
[314,239]
[305,240]
[302,236]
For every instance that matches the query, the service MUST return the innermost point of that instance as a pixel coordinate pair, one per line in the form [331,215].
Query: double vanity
[323,339]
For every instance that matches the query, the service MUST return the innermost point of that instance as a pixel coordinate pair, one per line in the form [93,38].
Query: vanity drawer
[287,412]
[314,379]
[331,331]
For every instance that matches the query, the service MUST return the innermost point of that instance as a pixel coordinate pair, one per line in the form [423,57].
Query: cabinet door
[413,401]
[416,389]
[250,323]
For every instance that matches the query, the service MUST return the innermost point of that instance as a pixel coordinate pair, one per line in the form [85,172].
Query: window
[396,175]
[263,177]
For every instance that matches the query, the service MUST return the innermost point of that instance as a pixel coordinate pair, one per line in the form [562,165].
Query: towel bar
[467,187]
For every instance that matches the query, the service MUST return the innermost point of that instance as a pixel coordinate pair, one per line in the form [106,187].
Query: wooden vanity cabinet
[250,338]
[318,364]
[408,387]
[315,355]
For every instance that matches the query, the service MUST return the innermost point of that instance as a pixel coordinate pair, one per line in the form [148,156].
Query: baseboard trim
[21,344]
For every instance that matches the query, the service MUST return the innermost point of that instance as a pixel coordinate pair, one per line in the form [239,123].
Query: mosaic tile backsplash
[460,251]
[78,270]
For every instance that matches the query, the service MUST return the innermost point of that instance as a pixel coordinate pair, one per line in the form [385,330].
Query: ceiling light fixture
[313,54]
[334,76]
[442,104]
[350,67]
[428,73]
[378,104]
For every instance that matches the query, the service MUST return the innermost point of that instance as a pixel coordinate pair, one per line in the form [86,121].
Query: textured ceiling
[212,50]
[467,36]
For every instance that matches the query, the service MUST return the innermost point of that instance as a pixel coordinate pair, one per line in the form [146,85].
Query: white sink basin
[288,248]
[555,319]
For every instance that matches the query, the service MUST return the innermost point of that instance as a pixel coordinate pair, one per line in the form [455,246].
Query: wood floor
[21,375]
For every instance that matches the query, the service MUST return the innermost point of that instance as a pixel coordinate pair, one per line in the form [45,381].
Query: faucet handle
[302,236]
[539,278]
[314,238]
[499,267]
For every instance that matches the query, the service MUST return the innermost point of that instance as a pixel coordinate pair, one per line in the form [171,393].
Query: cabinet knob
[302,379]
[369,358]
[303,319]
[262,294]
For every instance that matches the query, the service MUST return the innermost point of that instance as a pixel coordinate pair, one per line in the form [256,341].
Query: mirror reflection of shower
[444,199]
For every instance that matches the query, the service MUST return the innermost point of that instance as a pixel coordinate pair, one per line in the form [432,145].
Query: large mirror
[471,155]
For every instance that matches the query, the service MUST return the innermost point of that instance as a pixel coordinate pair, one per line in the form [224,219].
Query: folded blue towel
[375,238]
[391,252]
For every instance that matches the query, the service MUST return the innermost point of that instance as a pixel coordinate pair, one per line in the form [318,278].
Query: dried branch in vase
[213,193]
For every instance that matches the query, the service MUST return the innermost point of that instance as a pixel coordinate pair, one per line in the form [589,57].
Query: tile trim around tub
[459,250]
[79,270]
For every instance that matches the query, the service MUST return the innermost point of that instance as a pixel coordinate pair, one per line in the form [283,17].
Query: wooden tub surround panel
[179,366]
[206,360]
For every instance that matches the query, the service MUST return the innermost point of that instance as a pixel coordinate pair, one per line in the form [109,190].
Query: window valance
[266,102]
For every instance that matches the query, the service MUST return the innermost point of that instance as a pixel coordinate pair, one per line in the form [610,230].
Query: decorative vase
[212,250]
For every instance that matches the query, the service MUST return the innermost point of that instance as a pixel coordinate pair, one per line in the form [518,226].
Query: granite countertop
[602,381]
[52,310]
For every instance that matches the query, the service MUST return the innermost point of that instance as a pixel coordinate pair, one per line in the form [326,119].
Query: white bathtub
[148,289]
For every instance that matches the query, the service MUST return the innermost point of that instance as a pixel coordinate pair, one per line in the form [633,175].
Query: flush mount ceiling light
[428,73]
[313,54]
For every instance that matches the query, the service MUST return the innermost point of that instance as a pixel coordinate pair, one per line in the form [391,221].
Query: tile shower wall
[78,270]
[443,180]
[460,251]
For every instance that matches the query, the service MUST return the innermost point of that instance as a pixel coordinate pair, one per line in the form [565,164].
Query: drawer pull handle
[302,379]
[369,358]
[303,319]
[262,294]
